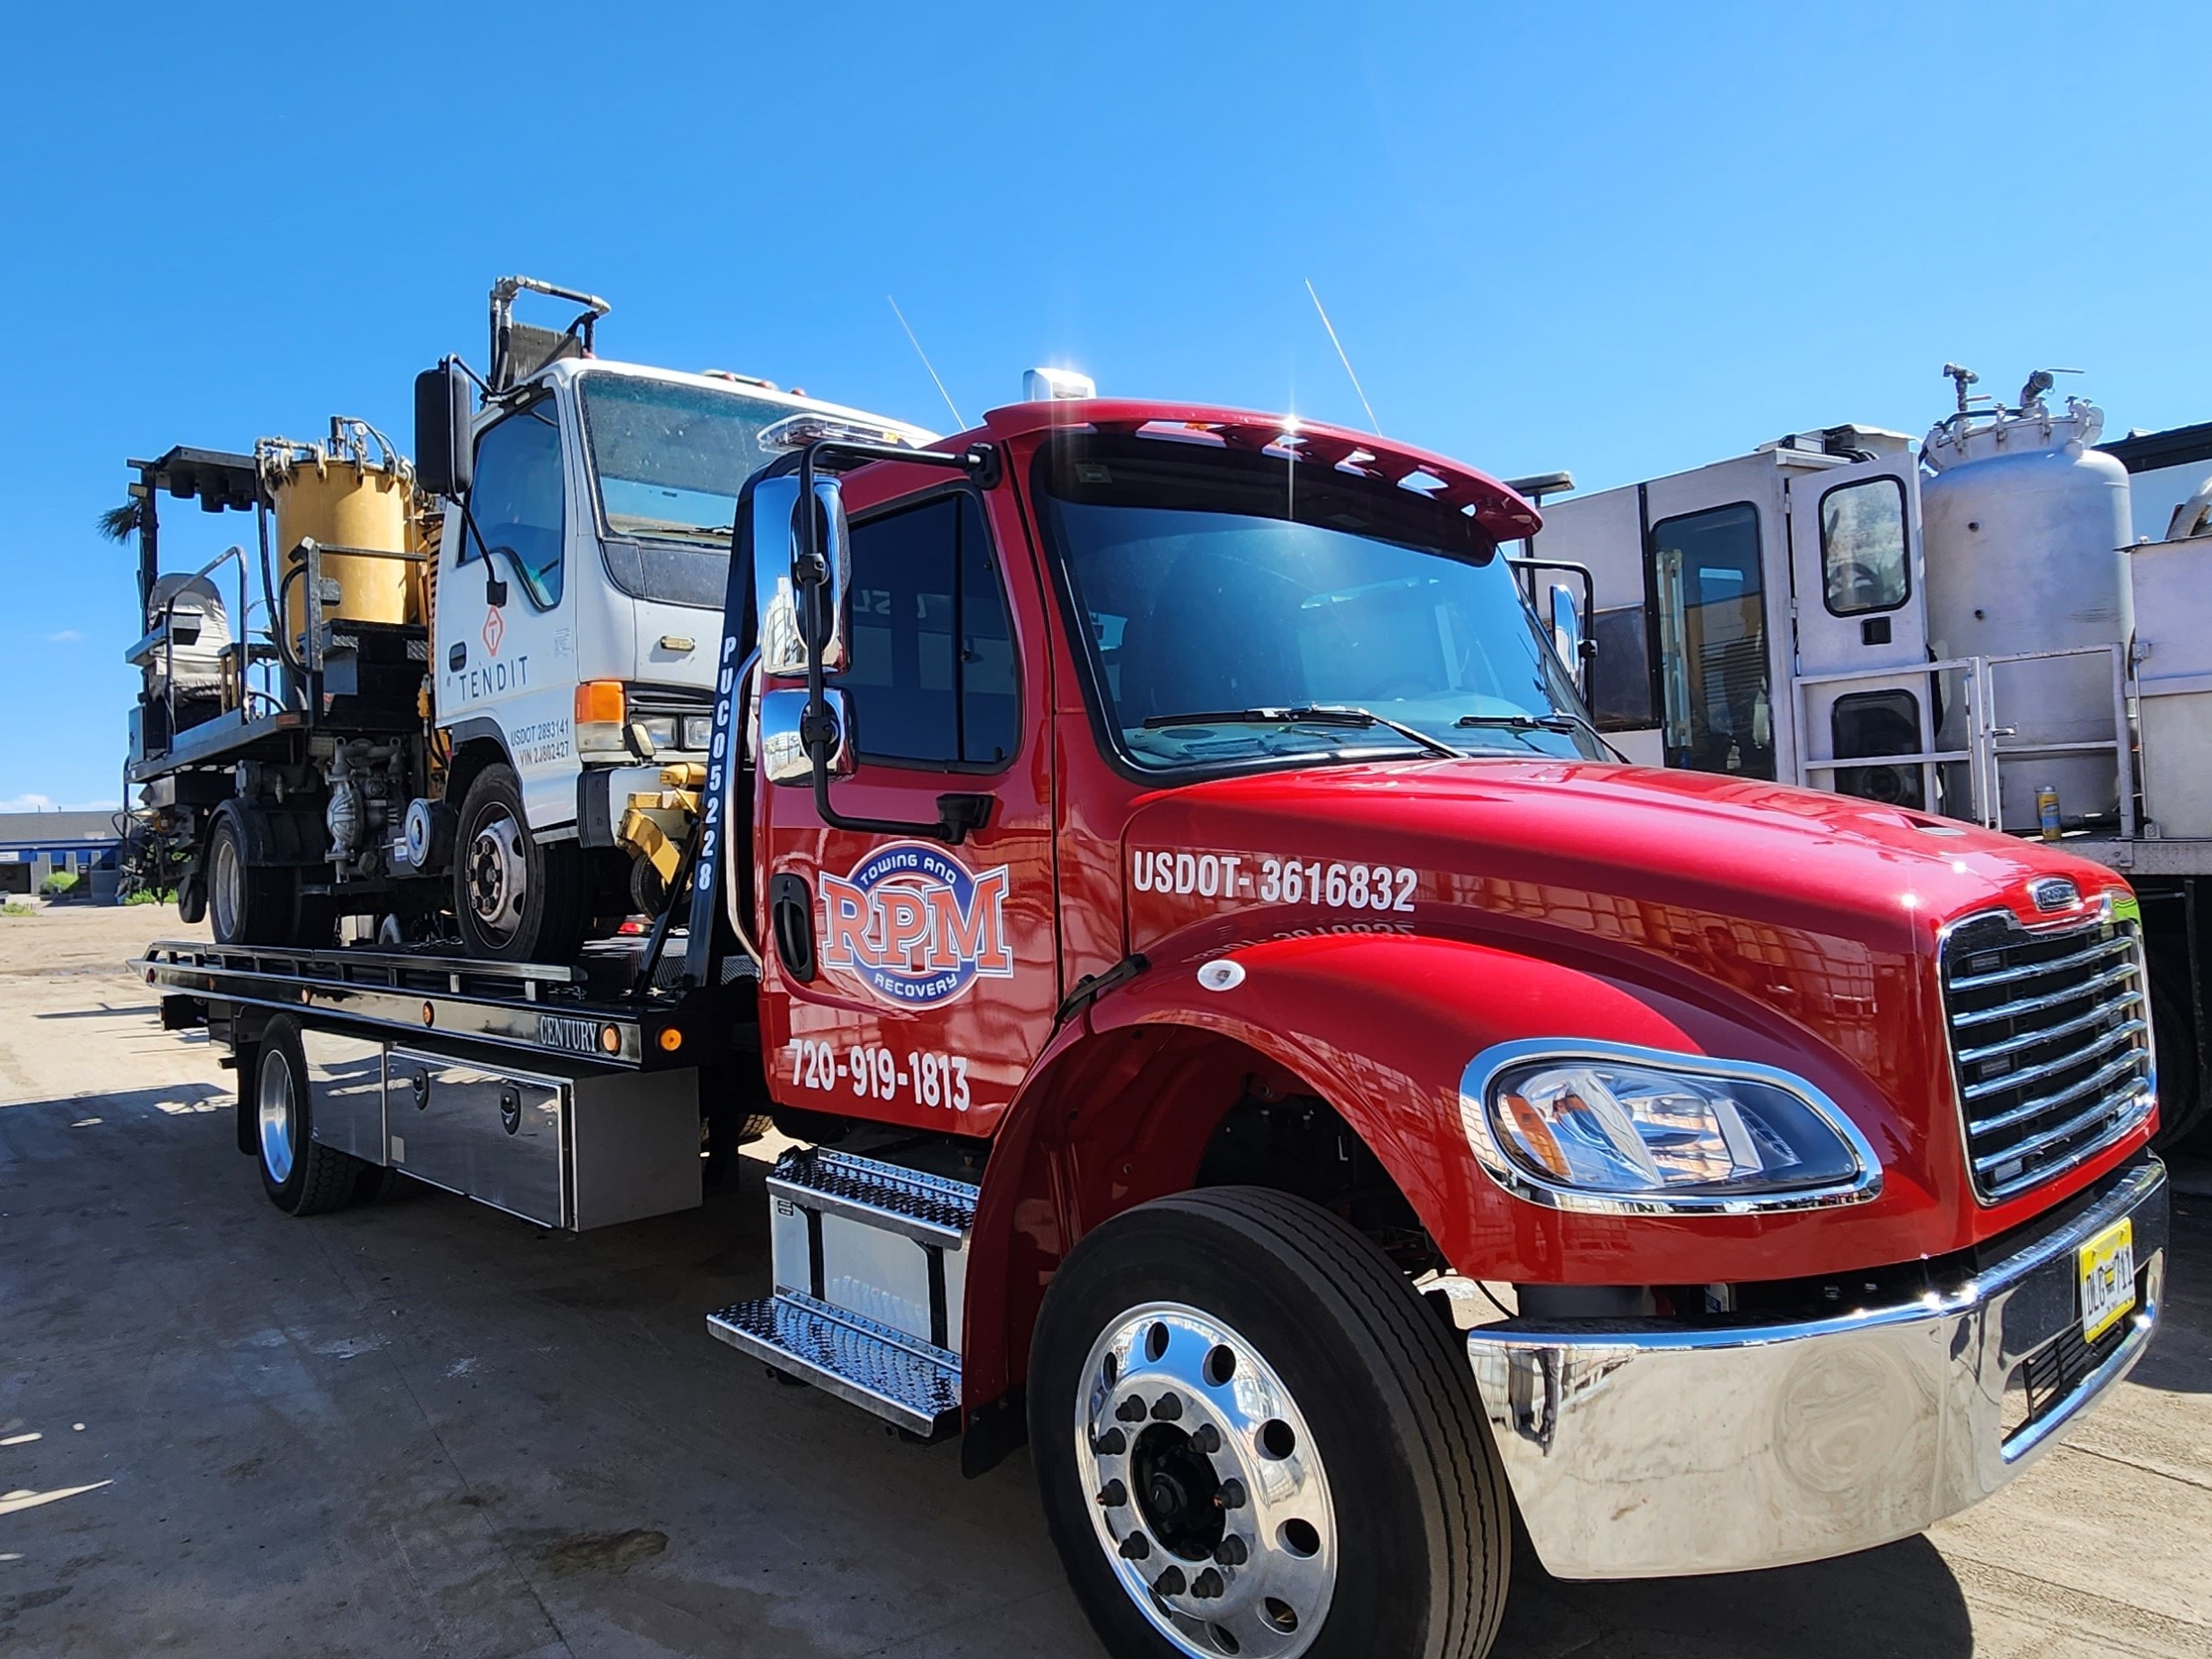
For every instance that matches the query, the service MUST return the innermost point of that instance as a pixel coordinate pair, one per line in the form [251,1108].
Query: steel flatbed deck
[593,1010]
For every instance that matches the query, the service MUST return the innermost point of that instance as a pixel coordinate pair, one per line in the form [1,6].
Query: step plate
[933,1208]
[904,1382]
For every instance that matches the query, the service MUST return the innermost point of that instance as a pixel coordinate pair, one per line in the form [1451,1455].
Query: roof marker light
[797,431]
[1053,385]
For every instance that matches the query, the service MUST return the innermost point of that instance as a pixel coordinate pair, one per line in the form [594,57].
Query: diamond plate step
[900,1378]
[931,1209]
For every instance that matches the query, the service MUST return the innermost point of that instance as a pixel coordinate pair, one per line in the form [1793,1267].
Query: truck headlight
[1585,1126]
[698,731]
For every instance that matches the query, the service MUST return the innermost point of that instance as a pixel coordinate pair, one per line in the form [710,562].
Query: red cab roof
[1504,515]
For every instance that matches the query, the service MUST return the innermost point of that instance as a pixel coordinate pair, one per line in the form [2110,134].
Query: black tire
[374,1183]
[313,1177]
[2182,1099]
[1422,1521]
[546,922]
[192,899]
[249,900]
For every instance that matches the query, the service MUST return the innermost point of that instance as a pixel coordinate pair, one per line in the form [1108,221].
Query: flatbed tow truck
[1248,1040]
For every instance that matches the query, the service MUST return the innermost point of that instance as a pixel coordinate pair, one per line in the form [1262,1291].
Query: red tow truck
[1245,1037]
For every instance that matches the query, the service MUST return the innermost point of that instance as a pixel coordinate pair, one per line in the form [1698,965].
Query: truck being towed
[462,771]
[1244,1036]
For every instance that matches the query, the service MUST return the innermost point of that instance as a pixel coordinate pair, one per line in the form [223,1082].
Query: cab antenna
[1346,361]
[961,420]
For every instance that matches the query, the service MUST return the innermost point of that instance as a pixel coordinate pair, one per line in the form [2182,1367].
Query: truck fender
[1121,1105]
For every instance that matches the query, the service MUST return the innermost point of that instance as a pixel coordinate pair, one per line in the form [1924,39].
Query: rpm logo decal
[916,925]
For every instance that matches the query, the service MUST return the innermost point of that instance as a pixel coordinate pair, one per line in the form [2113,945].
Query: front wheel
[1252,1437]
[518,898]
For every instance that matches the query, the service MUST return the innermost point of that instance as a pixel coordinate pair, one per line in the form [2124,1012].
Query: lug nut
[1114,1495]
[1168,1408]
[1110,1444]
[1207,1585]
[1233,1495]
[1137,1546]
[1170,1582]
[1206,1438]
[1231,1551]
[1130,1411]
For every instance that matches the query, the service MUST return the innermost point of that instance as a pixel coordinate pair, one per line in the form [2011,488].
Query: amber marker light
[598,702]
[671,1040]
[610,1038]
[430,1014]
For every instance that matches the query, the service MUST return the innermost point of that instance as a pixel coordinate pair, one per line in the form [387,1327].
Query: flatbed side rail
[539,1007]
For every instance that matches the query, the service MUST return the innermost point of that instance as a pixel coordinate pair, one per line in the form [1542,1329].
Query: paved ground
[429,1428]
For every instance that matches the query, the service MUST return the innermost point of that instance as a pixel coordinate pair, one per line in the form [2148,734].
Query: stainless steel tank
[2025,527]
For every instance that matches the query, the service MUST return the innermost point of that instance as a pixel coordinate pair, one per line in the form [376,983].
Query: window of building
[517,500]
[1863,563]
[1715,684]
[931,675]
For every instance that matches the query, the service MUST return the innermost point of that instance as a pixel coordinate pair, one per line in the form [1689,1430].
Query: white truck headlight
[1584,1126]
[698,731]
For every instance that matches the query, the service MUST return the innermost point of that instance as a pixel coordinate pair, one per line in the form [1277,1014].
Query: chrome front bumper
[1637,1450]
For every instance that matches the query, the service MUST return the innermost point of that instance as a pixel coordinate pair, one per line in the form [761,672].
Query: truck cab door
[504,612]
[906,980]
[1857,576]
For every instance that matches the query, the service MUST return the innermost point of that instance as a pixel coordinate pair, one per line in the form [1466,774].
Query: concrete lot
[424,1427]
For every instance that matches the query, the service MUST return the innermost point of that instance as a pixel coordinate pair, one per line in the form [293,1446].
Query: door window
[517,499]
[1863,563]
[1714,676]
[932,677]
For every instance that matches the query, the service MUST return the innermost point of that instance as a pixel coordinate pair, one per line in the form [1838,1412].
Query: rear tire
[248,901]
[518,898]
[301,1176]
[1383,1506]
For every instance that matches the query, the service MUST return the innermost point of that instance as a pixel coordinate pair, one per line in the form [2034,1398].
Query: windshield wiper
[1308,714]
[671,531]
[1561,721]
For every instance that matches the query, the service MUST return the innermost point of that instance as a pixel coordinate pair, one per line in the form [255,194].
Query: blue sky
[1620,240]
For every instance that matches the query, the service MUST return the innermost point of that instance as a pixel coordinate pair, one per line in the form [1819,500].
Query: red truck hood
[1757,921]
[1570,843]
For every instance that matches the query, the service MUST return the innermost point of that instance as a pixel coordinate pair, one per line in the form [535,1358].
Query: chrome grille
[2049,1044]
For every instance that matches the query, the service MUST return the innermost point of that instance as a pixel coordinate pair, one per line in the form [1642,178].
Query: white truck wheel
[518,899]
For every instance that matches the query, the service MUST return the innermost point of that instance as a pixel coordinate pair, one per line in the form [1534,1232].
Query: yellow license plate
[2108,1279]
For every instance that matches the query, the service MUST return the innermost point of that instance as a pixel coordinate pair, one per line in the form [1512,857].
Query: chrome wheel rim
[1207,1493]
[498,875]
[273,1097]
[226,882]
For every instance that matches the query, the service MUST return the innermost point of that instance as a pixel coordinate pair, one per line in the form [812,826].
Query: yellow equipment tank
[340,497]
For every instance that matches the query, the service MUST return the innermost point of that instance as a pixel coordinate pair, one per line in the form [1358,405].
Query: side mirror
[784,759]
[800,602]
[1567,634]
[444,464]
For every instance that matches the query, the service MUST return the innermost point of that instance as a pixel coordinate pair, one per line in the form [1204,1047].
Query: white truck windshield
[1240,616]
[668,460]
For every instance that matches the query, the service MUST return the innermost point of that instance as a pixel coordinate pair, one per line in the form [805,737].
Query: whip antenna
[1346,361]
[959,420]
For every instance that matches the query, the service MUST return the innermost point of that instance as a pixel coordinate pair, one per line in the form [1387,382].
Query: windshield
[1218,583]
[668,462]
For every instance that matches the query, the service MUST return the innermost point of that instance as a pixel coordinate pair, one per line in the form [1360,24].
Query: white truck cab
[581,591]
